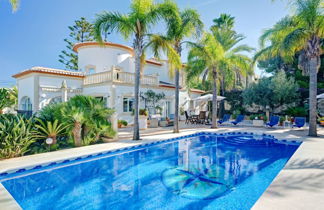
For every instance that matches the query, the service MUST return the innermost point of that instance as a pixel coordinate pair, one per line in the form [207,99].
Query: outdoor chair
[274,120]
[299,122]
[238,120]
[226,118]
[201,117]
[189,119]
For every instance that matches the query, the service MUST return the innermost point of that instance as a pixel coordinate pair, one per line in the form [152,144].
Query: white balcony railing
[119,77]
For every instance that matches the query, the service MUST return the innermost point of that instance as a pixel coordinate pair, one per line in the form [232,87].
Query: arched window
[26,104]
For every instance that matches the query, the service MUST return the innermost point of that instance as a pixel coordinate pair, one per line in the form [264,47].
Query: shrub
[122,123]
[15,136]
[297,111]
[143,112]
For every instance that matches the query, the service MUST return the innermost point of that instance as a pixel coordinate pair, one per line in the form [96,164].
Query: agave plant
[15,135]
[49,129]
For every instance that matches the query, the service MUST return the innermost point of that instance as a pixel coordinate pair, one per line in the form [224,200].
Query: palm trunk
[214,114]
[138,46]
[77,130]
[312,96]
[176,104]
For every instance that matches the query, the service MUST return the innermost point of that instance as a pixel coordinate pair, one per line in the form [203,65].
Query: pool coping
[84,151]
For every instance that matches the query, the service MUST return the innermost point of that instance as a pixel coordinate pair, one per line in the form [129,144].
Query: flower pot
[142,120]
[322,123]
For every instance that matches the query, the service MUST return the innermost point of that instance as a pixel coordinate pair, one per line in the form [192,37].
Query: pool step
[248,140]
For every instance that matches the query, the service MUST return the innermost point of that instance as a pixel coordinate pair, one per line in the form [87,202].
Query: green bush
[122,122]
[15,135]
[297,111]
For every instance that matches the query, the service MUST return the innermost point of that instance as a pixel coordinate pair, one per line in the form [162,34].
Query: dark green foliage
[151,99]
[297,111]
[273,92]
[81,31]
[15,135]
[235,99]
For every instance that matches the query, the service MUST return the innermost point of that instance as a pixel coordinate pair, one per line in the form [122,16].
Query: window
[128,104]
[26,104]
[90,70]
[102,99]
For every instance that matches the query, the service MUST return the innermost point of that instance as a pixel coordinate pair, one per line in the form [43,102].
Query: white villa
[107,72]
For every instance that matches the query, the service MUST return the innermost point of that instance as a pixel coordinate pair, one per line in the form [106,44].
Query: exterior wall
[49,88]
[26,89]
[162,71]
[103,58]
[56,81]
[128,92]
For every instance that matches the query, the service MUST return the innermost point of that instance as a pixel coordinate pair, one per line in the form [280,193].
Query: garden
[83,120]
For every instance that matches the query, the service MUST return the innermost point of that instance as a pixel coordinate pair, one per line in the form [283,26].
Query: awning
[320,96]
[209,97]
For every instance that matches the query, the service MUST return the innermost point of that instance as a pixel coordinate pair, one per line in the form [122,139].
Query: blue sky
[33,36]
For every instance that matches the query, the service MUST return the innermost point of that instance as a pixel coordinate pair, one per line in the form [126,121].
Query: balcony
[119,77]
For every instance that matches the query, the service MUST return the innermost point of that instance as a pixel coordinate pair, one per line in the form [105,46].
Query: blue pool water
[204,171]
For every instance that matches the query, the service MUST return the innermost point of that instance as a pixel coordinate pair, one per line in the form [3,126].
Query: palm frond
[113,21]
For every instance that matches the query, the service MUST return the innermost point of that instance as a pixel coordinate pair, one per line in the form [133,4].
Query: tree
[229,39]
[273,92]
[189,25]
[14,4]
[206,57]
[218,53]
[85,115]
[81,31]
[143,15]
[151,99]
[300,33]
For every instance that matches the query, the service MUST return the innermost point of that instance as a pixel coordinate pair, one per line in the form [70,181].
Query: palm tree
[83,114]
[300,33]
[48,129]
[187,26]
[137,23]
[229,39]
[205,57]
[14,4]
[217,53]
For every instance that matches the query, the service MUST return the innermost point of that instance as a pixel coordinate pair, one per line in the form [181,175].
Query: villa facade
[106,72]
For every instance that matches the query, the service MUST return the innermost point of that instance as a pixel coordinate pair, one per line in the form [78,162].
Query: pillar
[112,104]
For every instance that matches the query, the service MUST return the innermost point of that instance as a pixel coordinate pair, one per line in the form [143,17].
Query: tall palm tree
[300,33]
[143,15]
[205,57]
[229,39]
[189,25]
[211,57]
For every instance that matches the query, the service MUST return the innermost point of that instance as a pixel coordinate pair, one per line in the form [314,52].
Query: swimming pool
[200,171]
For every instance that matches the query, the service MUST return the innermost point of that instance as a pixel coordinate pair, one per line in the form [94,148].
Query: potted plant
[143,113]
[281,120]
[122,123]
[182,113]
[321,121]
